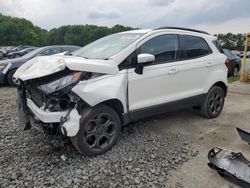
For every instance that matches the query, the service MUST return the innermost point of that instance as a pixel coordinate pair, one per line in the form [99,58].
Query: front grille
[36,96]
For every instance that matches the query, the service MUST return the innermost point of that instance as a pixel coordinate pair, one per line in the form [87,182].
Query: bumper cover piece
[23,108]
[233,166]
[72,125]
[244,135]
[44,116]
[69,128]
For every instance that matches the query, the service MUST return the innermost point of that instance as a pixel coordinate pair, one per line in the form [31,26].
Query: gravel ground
[141,158]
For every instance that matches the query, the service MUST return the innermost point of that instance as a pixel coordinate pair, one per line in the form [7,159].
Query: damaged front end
[49,104]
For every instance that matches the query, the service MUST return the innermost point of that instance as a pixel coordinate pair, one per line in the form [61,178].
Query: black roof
[182,28]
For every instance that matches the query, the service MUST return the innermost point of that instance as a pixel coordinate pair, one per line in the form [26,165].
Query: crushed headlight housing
[61,83]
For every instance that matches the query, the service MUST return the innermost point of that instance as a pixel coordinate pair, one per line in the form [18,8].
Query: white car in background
[119,79]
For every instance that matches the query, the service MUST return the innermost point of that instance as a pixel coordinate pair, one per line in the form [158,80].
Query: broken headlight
[61,83]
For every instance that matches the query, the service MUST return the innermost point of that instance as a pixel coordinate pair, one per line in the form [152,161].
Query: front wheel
[11,80]
[99,129]
[213,103]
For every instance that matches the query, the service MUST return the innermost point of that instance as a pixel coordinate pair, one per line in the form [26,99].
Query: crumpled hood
[46,65]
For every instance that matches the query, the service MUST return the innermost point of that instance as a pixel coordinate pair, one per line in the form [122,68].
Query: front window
[33,53]
[165,48]
[107,46]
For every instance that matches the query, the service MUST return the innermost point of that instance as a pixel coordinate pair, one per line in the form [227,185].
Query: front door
[159,82]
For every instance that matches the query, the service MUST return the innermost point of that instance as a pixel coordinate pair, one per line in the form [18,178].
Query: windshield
[107,46]
[33,53]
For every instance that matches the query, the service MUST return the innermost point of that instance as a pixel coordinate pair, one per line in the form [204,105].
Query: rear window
[70,48]
[218,46]
[194,47]
[228,53]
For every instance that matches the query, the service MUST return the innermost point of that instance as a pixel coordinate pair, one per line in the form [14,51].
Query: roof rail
[182,28]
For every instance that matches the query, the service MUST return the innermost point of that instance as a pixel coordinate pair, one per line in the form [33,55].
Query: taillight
[227,63]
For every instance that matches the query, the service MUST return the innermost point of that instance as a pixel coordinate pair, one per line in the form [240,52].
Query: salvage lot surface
[160,152]
[207,134]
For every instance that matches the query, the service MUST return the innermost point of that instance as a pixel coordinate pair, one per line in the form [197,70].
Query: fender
[216,76]
[104,88]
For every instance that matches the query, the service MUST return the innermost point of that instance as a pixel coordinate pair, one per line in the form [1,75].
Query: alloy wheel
[215,103]
[100,132]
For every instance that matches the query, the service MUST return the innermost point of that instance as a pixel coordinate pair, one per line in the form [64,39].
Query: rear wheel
[12,81]
[213,103]
[99,130]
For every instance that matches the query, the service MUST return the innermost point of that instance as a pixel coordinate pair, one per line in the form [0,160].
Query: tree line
[16,31]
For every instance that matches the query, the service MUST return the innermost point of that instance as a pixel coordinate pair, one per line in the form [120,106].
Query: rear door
[159,82]
[195,66]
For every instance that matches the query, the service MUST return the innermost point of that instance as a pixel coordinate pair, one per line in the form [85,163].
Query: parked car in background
[234,63]
[8,49]
[1,54]
[242,54]
[18,48]
[20,53]
[235,52]
[9,67]
[119,79]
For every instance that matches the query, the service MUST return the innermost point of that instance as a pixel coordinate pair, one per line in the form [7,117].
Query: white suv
[89,94]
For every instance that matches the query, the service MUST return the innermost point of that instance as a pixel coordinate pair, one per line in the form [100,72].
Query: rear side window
[165,48]
[194,47]
[51,51]
[218,46]
[70,49]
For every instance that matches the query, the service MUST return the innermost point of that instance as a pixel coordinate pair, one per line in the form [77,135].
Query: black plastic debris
[244,135]
[233,166]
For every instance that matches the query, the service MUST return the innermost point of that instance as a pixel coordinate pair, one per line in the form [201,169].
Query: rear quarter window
[194,47]
[218,46]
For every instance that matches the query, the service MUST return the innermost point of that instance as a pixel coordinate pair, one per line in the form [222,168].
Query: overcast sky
[214,16]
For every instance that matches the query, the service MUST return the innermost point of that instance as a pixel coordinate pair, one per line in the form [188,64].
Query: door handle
[173,71]
[209,64]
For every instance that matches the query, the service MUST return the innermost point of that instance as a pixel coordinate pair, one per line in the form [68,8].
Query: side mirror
[143,59]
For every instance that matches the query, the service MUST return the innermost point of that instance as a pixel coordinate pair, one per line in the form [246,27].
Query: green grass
[233,79]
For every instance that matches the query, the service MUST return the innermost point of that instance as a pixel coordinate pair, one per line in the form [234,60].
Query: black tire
[213,103]
[16,56]
[99,130]
[236,71]
[10,79]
